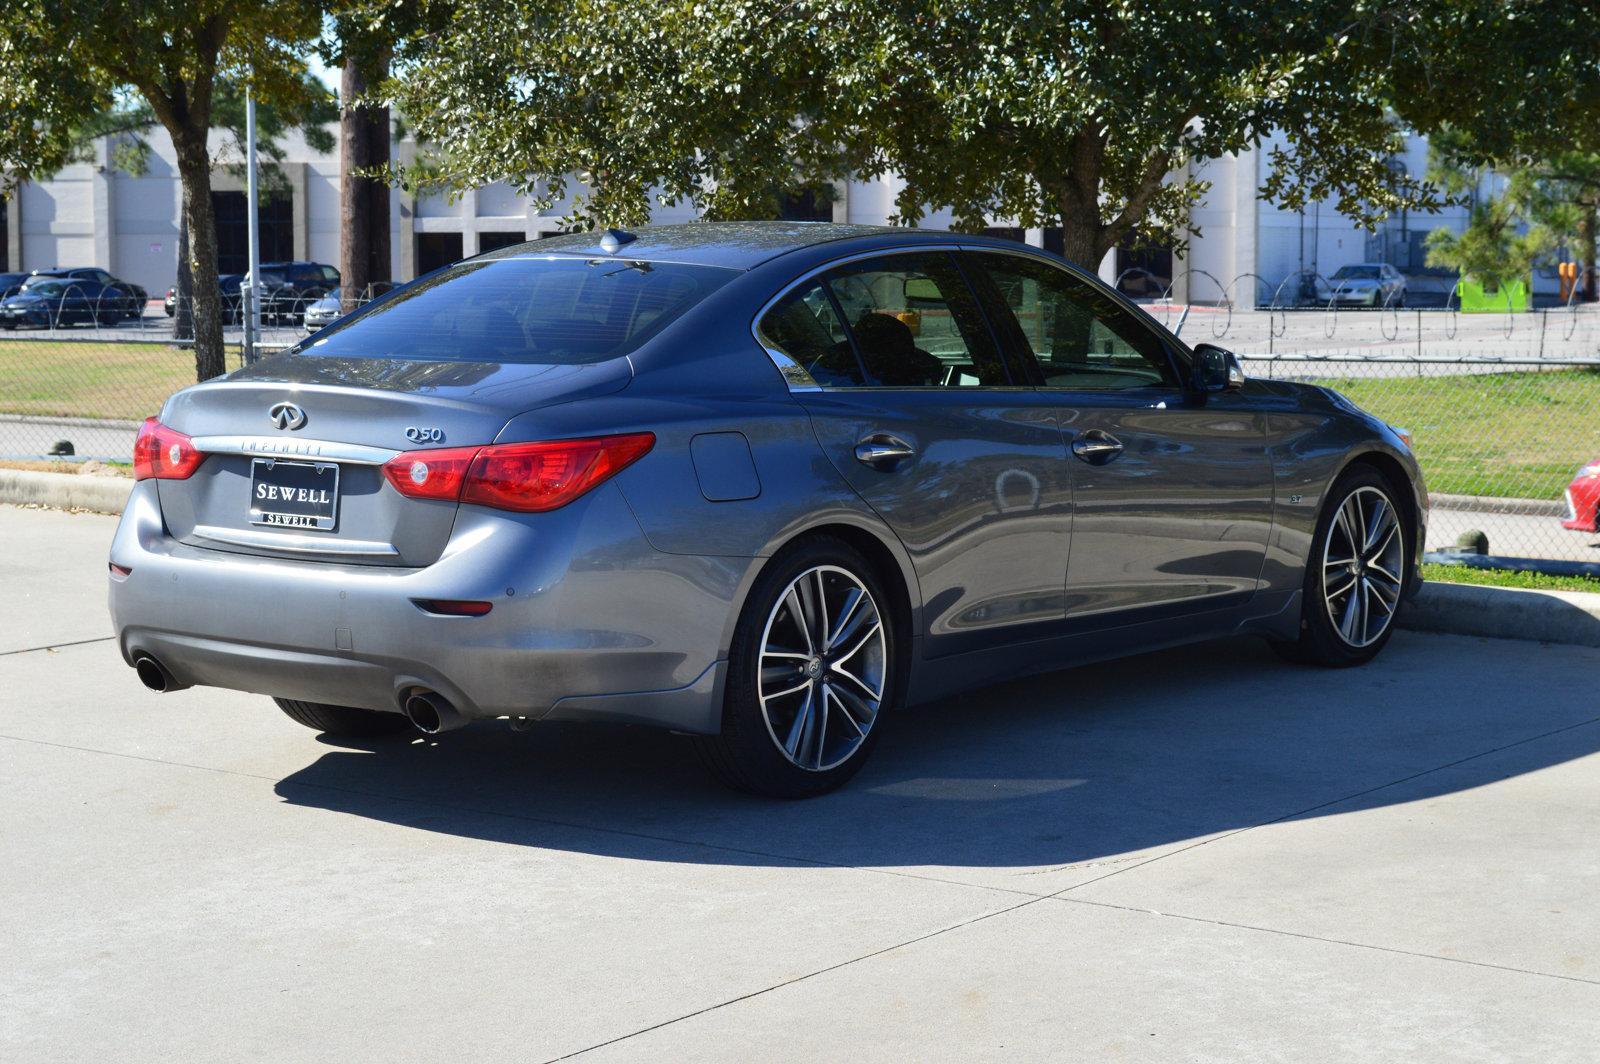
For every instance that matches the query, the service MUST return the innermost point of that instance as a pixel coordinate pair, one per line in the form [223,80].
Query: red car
[1583,500]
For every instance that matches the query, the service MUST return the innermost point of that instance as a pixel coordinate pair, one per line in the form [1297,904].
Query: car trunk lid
[296,445]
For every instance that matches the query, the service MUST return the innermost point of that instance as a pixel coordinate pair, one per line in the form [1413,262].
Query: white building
[94,215]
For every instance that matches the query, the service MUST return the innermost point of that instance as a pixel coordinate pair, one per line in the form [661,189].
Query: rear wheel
[342,720]
[1355,576]
[810,675]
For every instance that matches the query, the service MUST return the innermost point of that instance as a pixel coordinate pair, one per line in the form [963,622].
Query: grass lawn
[90,378]
[1513,435]
[1461,574]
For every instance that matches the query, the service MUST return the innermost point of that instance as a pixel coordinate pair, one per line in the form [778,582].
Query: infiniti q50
[767,485]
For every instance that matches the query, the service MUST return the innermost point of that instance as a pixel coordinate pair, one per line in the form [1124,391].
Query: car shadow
[1085,765]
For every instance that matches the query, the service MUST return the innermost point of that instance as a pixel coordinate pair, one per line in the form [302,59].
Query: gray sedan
[767,485]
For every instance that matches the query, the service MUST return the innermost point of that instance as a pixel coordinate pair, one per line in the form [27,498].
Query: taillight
[526,477]
[436,474]
[163,453]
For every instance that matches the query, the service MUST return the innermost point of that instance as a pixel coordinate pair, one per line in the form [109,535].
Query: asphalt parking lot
[1202,855]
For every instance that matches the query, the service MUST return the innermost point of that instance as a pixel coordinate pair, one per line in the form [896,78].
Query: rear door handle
[1095,446]
[881,450]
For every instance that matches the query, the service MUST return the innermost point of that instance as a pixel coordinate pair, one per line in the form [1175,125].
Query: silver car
[767,485]
[1368,284]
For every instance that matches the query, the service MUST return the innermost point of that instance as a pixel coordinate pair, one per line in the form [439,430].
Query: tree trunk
[364,201]
[194,168]
[183,289]
[1586,238]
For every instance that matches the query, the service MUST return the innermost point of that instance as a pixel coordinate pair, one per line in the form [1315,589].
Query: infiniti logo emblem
[287,416]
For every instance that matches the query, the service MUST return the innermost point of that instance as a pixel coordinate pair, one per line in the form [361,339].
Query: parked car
[228,286]
[1583,500]
[291,287]
[327,309]
[1371,284]
[660,478]
[133,297]
[49,303]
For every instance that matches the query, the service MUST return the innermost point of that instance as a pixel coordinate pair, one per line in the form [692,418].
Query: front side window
[1080,337]
[554,310]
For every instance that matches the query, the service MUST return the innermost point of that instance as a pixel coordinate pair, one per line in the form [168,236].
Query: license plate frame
[317,511]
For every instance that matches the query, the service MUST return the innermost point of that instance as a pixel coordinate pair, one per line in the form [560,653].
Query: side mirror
[1216,369]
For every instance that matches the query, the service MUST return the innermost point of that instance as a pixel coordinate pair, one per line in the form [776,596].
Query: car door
[1172,489]
[912,403]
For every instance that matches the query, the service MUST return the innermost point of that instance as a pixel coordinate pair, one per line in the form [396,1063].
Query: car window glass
[915,323]
[1081,337]
[804,326]
[557,310]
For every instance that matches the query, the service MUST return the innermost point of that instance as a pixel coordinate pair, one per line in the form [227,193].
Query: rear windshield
[550,310]
[1356,273]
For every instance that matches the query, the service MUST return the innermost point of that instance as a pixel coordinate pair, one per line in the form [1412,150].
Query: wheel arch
[1405,492]
[889,564]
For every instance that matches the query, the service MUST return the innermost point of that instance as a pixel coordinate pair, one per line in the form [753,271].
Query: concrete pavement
[1200,855]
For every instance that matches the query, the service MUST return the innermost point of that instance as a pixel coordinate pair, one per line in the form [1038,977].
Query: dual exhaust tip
[429,712]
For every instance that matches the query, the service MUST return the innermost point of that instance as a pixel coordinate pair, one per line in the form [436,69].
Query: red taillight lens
[533,477]
[436,474]
[163,453]
[527,477]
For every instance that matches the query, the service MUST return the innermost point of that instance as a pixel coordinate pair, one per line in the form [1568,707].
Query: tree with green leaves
[1083,114]
[64,62]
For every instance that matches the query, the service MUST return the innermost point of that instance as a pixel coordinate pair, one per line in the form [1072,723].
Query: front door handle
[881,450]
[1095,446]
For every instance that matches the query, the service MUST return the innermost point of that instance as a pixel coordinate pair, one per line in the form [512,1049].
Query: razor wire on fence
[1504,408]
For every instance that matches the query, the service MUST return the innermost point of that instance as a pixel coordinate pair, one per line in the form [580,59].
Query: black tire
[1321,641]
[342,720]
[747,755]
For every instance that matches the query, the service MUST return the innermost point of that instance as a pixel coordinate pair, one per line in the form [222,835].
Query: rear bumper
[589,622]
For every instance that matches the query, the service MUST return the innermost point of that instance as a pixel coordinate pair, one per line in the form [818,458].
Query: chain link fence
[1504,407]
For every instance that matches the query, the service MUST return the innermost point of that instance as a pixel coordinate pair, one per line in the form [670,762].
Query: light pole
[252,281]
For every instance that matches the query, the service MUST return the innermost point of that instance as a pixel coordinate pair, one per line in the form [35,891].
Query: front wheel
[1355,576]
[342,720]
[810,675]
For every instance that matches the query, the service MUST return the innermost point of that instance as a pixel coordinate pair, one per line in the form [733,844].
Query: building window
[437,249]
[233,229]
[496,241]
[813,204]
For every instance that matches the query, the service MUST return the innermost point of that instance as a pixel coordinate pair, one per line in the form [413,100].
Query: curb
[1571,617]
[1488,504]
[66,491]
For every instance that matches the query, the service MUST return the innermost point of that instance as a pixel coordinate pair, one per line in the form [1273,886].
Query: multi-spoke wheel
[810,674]
[1363,557]
[1355,577]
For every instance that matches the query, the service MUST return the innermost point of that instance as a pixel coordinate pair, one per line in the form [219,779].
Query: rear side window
[555,310]
[805,326]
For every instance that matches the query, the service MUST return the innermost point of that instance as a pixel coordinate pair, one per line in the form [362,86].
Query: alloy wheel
[1363,558]
[823,668]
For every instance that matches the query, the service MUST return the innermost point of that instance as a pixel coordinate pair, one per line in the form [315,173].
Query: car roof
[734,245]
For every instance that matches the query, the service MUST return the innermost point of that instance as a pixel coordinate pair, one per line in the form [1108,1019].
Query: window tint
[556,310]
[329,274]
[915,323]
[805,326]
[1080,337]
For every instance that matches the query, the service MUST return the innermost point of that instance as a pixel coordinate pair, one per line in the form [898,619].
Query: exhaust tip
[152,675]
[431,714]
